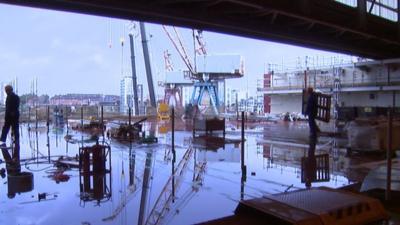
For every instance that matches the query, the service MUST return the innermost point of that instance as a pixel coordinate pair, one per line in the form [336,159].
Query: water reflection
[315,168]
[17,181]
[148,184]
[94,174]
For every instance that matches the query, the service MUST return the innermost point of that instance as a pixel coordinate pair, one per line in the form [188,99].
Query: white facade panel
[229,64]
[176,77]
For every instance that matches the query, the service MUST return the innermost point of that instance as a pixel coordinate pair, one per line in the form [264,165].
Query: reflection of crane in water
[167,195]
[132,187]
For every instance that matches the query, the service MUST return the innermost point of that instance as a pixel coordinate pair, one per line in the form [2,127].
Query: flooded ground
[140,187]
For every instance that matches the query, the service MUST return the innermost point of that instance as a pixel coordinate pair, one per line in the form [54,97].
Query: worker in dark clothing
[11,116]
[311,111]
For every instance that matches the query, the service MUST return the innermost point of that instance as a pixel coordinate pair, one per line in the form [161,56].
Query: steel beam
[254,18]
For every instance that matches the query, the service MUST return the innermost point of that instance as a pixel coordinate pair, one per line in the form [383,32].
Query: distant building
[126,95]
[85,99]
[221,92]
[186,95]
[110,103]
[231,98]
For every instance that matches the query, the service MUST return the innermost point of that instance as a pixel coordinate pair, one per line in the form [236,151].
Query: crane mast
[146,56]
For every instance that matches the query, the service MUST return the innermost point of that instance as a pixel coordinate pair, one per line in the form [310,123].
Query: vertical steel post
[173,129]
[242,143]
[394,99]
[48,118]
[237,106]
[103,127]
[389,155]
[36,117]
[305,79]
[66,117]
[82,117]
[129,116]
[173,152]
[243,166]
[398,19]
[134,77]
[102,115]
[29,118]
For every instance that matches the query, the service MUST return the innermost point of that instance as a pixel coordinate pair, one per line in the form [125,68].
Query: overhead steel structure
[327,24]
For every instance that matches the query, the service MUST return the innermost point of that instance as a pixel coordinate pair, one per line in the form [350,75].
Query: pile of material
[127,132]
[371,134]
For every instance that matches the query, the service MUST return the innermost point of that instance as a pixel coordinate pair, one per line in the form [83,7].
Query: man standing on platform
[11,116]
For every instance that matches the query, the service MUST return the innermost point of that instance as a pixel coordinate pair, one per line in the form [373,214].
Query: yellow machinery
[163,111]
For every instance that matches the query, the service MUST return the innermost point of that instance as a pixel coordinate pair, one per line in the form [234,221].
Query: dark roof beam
[310,26]
[264,12]
[291,9]
[300,23]
[166,2]
[340,33]
[246,3]
[273,18]
[324,15]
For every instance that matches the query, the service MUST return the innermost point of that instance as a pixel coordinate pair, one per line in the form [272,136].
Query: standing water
[141,187]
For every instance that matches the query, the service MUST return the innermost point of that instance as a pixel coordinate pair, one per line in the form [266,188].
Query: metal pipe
[130,116]
[81,117]
[48,118]
[242,143]
[146,56]
[66,117]
[173,129]
[102,115]
[398,18]
[389,155]
[243,166]
[103,127]
[134,77]
[29,118]
[173,152]
[36,117]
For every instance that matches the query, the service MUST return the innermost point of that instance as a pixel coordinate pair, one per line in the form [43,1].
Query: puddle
[139,188]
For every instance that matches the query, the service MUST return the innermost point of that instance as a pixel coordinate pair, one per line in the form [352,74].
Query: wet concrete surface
[140,188]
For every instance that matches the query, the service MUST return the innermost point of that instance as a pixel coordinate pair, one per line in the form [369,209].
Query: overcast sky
[71,53]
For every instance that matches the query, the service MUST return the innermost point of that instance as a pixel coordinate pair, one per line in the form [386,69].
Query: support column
[398,19]
[389,155]
[362,13]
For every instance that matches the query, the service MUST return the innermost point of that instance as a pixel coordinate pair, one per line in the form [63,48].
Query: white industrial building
[351,82]
[126,95]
